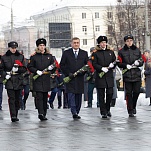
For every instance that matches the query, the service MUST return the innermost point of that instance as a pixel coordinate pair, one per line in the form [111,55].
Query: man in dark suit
[72,60]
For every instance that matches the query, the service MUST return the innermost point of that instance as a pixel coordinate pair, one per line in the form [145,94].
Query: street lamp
[11,8]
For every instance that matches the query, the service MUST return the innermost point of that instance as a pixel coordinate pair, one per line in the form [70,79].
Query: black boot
[13,119]
[42,117]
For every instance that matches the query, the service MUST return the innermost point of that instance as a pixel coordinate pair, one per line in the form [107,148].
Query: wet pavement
[62,133]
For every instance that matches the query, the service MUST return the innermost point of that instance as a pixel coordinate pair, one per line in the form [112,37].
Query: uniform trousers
[13,101]
[41,102]
[105,104]
[132,90]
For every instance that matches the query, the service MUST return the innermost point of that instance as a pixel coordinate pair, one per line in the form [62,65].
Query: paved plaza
[62,133]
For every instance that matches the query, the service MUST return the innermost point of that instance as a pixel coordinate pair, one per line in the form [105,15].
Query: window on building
[110,28]
[84,28]
[97,28]
[83,15]
[121,14]
[84,41]
[109,15]
[96,14]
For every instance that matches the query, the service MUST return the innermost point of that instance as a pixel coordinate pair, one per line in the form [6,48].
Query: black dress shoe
[131,115]
[109,114]
[59,107]
[17,119]
[42,117]
[13,119]
[51,105]
[104,116]
[75,116]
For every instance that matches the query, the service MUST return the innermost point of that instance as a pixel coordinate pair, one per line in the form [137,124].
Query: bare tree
[127,18]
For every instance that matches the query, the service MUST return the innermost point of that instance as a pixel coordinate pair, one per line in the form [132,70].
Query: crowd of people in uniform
[42,74]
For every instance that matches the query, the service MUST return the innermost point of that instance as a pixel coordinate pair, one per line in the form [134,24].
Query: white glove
[121,79]
[111,65]
[8,73]
[15,69]
[128,66]
[104,69]
[50,67]
[39,72]
[7,77]
[136,63]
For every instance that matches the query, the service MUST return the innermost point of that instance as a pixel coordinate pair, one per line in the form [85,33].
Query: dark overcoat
[147,74]
[69,64]
[102,58]
[40,62]
[8,61]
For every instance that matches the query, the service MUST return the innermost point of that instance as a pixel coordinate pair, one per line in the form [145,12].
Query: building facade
[85,22]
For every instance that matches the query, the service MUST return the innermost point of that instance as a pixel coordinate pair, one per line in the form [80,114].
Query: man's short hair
[75,38]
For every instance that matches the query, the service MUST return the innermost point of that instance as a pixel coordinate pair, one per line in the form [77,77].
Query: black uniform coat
[102,58]
[8,61]
[128,56]
[1,70]
[40,62]
[69,64]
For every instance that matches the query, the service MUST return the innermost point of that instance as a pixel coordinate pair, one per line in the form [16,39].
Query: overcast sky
[23,9]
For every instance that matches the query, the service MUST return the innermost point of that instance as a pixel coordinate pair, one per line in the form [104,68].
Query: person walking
[13,65]
[72,60]
[91,81]
[41,64]
[147,74]
[130,59]
[103,61]
[1,82]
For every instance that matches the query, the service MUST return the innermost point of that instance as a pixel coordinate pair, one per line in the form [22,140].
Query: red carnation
[18,62]
[144,58]
[90,66]
[57,64]
[120,59]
